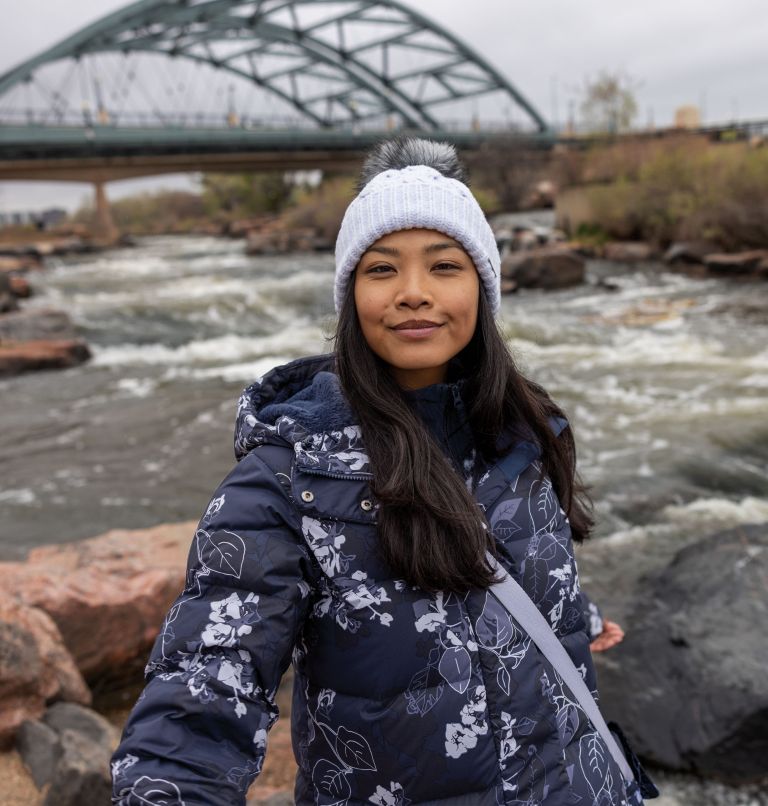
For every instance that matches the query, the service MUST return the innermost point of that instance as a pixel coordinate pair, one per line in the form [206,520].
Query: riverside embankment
[664,378]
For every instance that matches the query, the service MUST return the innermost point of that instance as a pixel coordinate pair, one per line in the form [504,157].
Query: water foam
[718,512]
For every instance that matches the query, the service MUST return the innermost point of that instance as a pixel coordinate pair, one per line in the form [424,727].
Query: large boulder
[548,267]
[28,356]
[628,251]
[689,681]
[35,666]
[107,595]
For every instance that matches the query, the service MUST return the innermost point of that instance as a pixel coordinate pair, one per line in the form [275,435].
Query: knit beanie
[417,197]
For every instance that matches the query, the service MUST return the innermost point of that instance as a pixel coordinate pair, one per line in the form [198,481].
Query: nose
[413,291]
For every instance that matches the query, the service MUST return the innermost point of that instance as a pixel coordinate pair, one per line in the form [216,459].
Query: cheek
[464,305]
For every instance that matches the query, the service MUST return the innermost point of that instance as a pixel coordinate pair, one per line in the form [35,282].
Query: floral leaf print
[154,792]
[494,627]
[230,619]
[221,552]
[524,726]
[503,679]
[458,740]
[214,507]
[242,777]
[325,701]
[591,759]
[473,713]
[567,724]
[326,544]
[430,614]
[120,766]
[456,668]
[331,779]
[420,695]
[503,519]
[394,796]
[354,750]
[353,460]
[542,504]
[508,743]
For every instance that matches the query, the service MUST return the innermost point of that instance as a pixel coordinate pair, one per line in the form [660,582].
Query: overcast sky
[711,53]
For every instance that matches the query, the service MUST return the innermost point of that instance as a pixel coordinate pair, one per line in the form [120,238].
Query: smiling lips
[416,328]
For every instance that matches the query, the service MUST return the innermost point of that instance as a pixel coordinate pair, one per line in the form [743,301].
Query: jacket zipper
[328,474]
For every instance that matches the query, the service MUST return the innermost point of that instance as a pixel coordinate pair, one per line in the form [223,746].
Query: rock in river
[27,356]
[689,681]
[628,251]
[548,267]
[754,262]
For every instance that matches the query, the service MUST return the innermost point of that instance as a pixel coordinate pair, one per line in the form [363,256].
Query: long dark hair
[431,530]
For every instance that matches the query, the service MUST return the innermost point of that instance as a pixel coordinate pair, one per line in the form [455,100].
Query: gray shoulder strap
[528,616]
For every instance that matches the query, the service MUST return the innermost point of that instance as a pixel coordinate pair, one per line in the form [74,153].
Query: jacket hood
[291,402]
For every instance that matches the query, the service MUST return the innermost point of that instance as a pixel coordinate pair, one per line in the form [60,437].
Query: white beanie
[417,197]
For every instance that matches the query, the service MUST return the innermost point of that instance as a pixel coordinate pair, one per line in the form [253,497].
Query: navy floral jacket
[400,697]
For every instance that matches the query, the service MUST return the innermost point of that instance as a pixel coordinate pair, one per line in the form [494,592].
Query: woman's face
[416,294]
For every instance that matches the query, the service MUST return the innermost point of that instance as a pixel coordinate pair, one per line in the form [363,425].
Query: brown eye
[378,269]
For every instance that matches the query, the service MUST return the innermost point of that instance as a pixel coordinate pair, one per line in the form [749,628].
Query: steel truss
[338,62]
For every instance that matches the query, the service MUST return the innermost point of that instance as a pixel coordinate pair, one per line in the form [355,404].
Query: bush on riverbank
[688,190]
[321,208]
[152,213]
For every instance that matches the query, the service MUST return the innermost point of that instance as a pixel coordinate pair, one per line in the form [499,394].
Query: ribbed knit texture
[417,197]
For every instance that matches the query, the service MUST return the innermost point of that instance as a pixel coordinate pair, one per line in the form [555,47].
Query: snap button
[366,505]
[308,496]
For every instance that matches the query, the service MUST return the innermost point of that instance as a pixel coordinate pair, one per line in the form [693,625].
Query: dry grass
[682,190]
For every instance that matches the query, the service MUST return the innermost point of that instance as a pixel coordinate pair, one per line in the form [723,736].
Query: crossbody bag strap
[528,616]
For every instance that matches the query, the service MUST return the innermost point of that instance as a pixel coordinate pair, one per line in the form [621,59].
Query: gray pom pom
[403,151]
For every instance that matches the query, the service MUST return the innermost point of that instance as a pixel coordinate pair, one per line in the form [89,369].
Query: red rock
[35,666]
[19,286]
[18,357]
[18,264]
[107,595]
[548,267]
[628,251]
[738,262]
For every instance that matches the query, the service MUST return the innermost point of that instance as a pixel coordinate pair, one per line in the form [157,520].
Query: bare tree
[608,102]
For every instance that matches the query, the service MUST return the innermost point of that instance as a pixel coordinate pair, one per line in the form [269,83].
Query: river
[663,376]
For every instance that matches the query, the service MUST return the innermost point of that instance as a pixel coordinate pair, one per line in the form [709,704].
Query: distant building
[42,219]
[687,117]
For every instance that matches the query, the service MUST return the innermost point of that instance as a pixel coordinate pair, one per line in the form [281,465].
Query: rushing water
[664,378]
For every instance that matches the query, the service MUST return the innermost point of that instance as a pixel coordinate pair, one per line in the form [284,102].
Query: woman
[352,538]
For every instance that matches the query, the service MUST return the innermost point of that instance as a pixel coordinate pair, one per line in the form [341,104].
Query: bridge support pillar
[105,231]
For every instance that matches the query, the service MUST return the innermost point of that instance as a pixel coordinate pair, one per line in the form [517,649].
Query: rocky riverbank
[35,339]
[688,685]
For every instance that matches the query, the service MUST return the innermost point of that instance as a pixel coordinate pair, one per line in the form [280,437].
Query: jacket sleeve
[197,734]
[593,618]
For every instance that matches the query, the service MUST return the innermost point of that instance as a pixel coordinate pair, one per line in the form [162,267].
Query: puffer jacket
[400,697]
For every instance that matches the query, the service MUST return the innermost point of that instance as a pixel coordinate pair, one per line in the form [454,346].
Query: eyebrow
[433,247]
